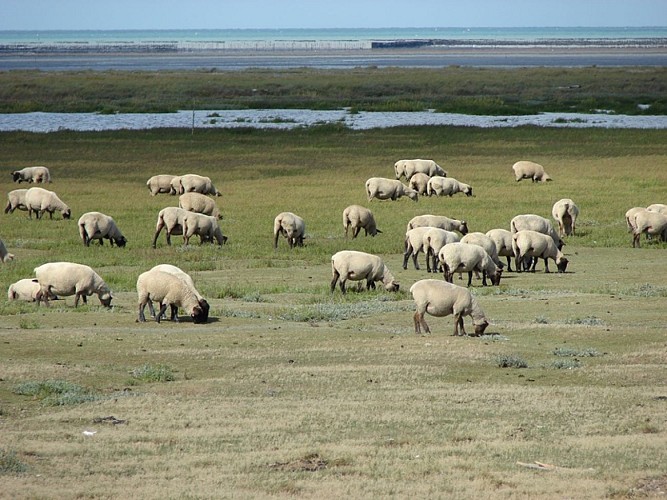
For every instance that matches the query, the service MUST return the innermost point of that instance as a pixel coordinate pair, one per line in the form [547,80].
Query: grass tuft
[153,373]
[511,361]
[56,392]
[10,463]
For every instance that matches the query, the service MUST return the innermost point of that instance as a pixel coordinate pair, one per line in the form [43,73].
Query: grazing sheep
[434,239]
[200,203]
[537,223]
[25,289]
[440,298]
[178,272]
[39,200]
[463,257]
[291,226]
[388,189]
[168,290]
[358,217]
[651,223]
[193,183]
[439,221]
[482,240]
[170,218]
[5,256]
[357,266]
[530,170]
[419,182]
[527,243]
[16,199]
[447,186]
[414,243]
[160,184]
[204,226]
[565,212]
[408,168]
[97,226]
[503,240]
[658,207]
[630,217]
[32,174]
[69,278]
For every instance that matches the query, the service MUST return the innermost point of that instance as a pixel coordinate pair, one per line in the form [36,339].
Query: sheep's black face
[495,279]
[464,228]
[67,214]
[469,192]
[562,265]
[199,314]
[105,299]
[205,307]
[479,329]
[121,242]
[16,176]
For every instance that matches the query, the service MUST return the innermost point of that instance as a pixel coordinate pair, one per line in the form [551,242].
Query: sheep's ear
[378,231]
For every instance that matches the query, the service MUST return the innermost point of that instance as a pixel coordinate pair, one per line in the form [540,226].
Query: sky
[225,14]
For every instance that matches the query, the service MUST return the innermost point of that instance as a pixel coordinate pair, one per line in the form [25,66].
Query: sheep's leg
[77,296]
[449,275]
[484,278]
[429,252]
[406,255]
[509,263]
[162,310]
[356,232]
[336,275]
[546,265]
[535,259]
[469,278]
[174,312]
[342,285]
[635,239]
[142,305]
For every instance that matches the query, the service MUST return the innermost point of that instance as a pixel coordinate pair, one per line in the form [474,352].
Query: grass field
[291,391]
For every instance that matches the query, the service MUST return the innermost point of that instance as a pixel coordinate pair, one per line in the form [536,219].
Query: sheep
[170,218]
[25,289]
[658,207]
[200,203]
[388,189]
[160,184]
[440,298]
[16,199]
[69,278]
[434,239]
[39,200]
[530,170]
[439,221]
[168,290]
[484,241]
[5,256]
[193,183]
[630,217]
[419,182]
[527,243]
[565,212]
[537,223]
[358,217]
[447,186]
[408,168]
[291,226]
[651,223]
[463,257]
[503,240]
[176,271]
[356,266]
[97,226]
[205,226]
[414,243]
[37,175]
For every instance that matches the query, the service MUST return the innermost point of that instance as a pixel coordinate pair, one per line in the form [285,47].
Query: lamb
[356,266]
[291,226]
[176,271]
[168,290]
[37,175]
[419,182]
[484,241]
[160,184]
[434,239]
[537,223]
[25,289]
[170,218]
[97,226]
[39,200]
[414,243]
[530,170]
[658,207]
[408,168]
[439,221]
[5,256]
[357,218]
[440,298]
[463,257]
[388,189]
[527,243]
[447,186]
[503,240]
[565,212]
[16,199]
[205,226]
[193,183]
[651,223]
[69,278]
[200,203]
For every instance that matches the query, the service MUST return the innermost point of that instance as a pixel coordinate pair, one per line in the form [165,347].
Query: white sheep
[291,226]
[200,203]
[178,272]
[419,182]
[537,223]
[357,217]
[651,223]
[16,199]
[357,266]
[440,298]
[413,244]
[484,241]
[170,218]
[204,226]
[193,183]
[527,243]
[658,207]
[388,189]
[160,184]
[434,239]
[447,186]
[463,257]
[37,175]
[69,278]
[39,200]
[503,240]
[438,221]
[630,217]
[408,168]
[530,170]
[97,226]
[565,212]
[25,289]
[170,291]
[5,256]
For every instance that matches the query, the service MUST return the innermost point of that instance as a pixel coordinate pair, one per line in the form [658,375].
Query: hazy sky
[202,14]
